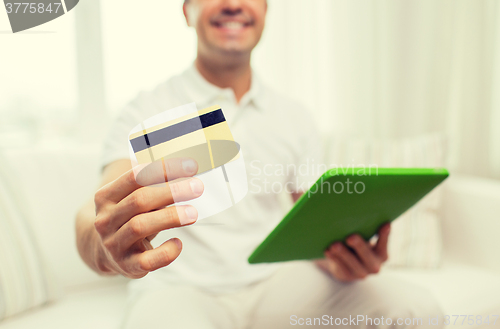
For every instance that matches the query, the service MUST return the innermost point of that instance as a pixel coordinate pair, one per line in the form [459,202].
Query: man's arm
[114,230]
[356,260]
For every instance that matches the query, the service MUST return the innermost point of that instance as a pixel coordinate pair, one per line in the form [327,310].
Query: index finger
[383,238]
[160,171]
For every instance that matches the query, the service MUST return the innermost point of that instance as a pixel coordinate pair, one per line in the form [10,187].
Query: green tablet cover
[344,202]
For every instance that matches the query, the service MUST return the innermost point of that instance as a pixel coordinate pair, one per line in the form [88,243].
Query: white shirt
[281,147]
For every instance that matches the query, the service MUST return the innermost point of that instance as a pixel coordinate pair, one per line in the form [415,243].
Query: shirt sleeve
[309,154]
[116,144]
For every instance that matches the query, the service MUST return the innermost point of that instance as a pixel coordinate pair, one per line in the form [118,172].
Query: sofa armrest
[471,221]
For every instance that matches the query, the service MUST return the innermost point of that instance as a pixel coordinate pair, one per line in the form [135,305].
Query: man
[210,284]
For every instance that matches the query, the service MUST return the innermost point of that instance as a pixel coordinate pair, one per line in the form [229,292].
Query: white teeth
[232,25]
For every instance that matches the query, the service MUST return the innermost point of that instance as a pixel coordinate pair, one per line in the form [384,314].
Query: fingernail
[191,215]
[178,243]
[189,166]
[196,186]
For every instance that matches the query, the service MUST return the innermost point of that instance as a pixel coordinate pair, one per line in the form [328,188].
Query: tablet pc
[344,202]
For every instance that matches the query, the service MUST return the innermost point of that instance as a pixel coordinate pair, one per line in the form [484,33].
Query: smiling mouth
[232,25]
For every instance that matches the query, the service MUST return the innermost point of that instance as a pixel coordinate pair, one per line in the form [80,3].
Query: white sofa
[57,180]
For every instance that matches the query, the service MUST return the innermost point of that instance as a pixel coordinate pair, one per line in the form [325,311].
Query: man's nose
[232,6]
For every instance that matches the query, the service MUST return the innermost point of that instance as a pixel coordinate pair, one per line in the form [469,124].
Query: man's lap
[295,293]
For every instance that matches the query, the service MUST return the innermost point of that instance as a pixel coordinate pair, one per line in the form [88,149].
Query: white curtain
[391,69]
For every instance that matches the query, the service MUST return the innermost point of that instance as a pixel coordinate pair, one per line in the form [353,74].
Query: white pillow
[415,239]
[24,279]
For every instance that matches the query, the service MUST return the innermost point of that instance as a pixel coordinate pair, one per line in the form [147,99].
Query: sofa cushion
[25,280]
[100,307]
[56,180]
[471,222]
[460,289]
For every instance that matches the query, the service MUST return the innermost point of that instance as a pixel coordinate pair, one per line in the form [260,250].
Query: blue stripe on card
[177,130]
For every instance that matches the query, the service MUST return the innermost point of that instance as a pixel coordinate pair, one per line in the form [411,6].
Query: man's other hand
[362,258]
[130,212]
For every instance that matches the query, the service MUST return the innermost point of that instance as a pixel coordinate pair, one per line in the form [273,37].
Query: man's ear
[185,11]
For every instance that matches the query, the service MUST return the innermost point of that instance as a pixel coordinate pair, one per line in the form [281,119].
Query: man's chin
[236,51]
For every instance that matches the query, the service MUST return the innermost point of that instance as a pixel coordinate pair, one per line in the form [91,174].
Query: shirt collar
[203,92]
